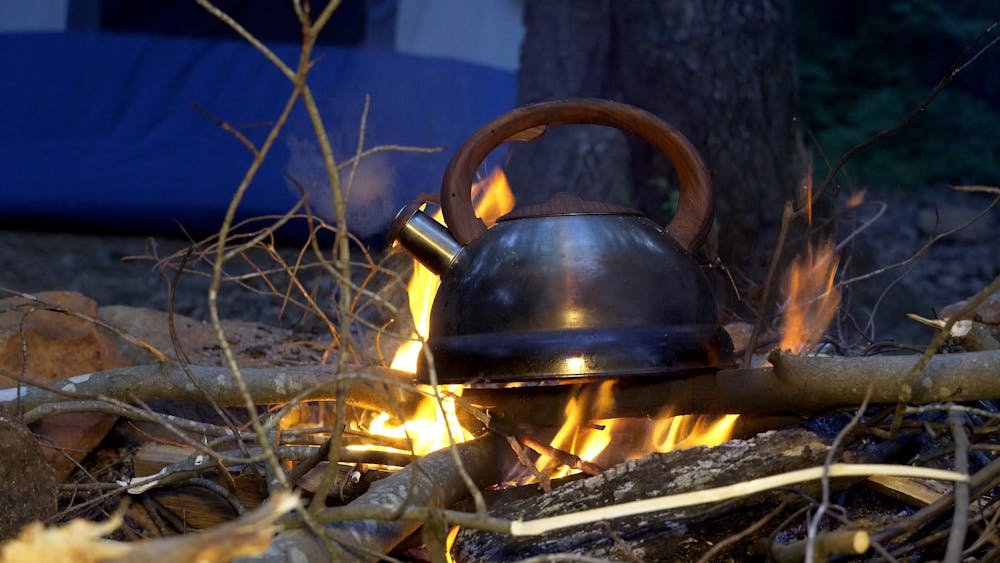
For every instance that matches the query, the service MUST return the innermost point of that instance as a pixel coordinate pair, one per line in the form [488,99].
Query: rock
[70,437]
[58,345]
[253,344]
[29,484]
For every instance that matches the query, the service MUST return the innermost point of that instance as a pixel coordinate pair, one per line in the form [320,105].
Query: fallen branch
[626,495]
[81,540]
[368,387]
[718,494]
[432,481]
[795,385]
[947,377]
[837,542]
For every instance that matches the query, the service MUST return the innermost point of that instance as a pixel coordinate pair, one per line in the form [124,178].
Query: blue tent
[114,131]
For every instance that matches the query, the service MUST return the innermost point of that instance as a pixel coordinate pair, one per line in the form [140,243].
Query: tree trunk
[722,73]
[567,53]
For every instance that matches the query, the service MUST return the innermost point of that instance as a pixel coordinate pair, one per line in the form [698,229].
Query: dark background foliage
[863,65]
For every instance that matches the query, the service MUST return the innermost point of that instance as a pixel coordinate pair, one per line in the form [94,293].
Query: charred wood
[432,481]
[675,535]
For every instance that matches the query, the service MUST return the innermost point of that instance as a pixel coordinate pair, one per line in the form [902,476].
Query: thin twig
[947,79]
[213,293]
[720,547]
[960,517]
[765,298]
[813,530]
[906,389]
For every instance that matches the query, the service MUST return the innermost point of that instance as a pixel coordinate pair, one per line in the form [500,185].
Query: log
[968,376]
[673,535]
[433,481]
[367,387]
[795,385]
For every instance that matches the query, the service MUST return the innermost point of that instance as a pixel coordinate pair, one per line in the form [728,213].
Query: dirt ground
[103,267]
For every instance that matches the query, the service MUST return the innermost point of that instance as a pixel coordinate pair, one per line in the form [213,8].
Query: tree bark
[567,53]
[722,73]
[681,534]
[432,481]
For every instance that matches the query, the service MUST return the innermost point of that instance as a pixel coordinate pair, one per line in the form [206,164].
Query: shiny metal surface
[570,272]
[530,358]
[573,296]
[425,239]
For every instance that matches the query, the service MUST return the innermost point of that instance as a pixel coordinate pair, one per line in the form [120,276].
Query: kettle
[569,290]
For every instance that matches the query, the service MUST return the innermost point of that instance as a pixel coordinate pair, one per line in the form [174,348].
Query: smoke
[368,193]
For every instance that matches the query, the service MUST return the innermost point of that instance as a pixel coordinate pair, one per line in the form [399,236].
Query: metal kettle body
[569,290]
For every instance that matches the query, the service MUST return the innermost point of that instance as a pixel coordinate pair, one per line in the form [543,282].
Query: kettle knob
[696,204]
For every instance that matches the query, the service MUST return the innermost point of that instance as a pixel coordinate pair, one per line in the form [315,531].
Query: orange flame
[493,199]
[611,441]
[812,298]
[576,435]
[428,429]
[856,199]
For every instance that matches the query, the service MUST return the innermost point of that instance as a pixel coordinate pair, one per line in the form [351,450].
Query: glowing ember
[812,298]
[856,199]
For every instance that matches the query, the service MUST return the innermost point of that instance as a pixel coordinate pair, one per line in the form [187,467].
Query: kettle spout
[427,240]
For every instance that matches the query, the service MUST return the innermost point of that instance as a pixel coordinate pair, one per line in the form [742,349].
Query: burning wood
[812,298]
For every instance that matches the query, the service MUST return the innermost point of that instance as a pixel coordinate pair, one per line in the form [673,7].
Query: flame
[806,195]
[428,429]
[421,290]
[812,298]
[493,199]
[856,199]
[611,441]
[687,431]
[577,435]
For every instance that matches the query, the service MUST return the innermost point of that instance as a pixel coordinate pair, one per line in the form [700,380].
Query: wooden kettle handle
[696,205]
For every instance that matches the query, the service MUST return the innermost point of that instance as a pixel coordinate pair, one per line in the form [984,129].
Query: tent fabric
[109,131]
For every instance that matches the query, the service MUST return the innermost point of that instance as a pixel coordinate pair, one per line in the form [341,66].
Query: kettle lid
[565,203]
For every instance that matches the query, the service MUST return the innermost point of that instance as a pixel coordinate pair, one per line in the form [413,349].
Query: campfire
[566,391]
[670,466]
[591,443]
